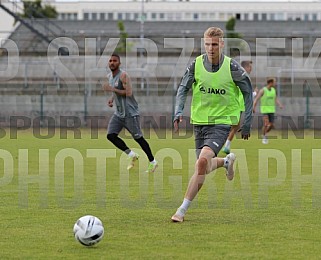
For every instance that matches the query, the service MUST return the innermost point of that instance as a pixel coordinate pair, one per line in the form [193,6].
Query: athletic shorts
[270,116]
[213,136]
[132,124]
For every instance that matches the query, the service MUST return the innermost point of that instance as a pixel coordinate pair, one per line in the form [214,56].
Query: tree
[123,35]
[34,9]
[230,25]
[235,49]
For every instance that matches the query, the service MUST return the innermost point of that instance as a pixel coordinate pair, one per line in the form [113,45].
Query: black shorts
[132,124]
[213,136]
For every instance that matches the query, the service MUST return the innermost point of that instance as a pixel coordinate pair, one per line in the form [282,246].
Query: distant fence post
[26,76]
[85,106]
[174,98]
[41,105]
[307,94]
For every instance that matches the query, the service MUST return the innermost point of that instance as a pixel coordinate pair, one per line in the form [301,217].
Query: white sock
[183,208]
[153,162]
[228,144]
[131,154]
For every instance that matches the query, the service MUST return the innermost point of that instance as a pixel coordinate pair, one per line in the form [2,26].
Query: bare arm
[277,101]
[127,85]
[257,98]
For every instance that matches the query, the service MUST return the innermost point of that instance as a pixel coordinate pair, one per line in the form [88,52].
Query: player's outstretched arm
[257,98]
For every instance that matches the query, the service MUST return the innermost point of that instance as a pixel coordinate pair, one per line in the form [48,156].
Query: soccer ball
[88,230]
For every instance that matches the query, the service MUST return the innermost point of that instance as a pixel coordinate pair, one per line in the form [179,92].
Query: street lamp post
[142,18]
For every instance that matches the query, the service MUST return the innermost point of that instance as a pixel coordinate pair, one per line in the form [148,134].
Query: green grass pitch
[269,211]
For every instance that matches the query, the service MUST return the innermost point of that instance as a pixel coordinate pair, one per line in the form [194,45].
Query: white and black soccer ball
[88,230]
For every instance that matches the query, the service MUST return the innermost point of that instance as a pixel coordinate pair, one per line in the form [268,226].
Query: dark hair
[115,55]
[270,80]
[245,63]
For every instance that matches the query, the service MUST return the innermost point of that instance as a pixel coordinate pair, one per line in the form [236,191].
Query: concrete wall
[34,75]
[155,111]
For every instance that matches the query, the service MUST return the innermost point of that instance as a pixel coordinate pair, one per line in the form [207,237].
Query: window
[110,16]
[128,16]
[161,16]
[203,16]
[102,16]
[212,16]
[120,16]
[246,17]
[170,16]
[272,17]
[94,16]
[154,16]
[230,15]
[279,17]
[238,16]
[264,17]
[294,16]
[195,16]
[188,16]
[86,16]
[136,16]
[255,16]
[314,17]
[178,16]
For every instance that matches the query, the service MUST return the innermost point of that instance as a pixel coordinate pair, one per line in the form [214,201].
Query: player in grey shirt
[126,114]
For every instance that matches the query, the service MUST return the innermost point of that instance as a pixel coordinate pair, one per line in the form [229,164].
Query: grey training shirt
[126,106]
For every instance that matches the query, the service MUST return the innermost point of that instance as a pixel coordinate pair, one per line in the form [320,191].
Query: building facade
[172,10]
[190,10]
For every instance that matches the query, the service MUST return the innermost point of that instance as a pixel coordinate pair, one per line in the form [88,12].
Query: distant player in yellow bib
[268,98]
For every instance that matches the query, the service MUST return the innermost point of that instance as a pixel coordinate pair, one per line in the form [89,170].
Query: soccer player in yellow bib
[215,80]
[268,98]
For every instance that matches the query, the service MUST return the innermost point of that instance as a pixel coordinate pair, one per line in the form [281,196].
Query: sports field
[269,211]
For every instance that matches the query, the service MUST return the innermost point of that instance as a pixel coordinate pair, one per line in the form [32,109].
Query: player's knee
[201,166]
[140,140]
[111,137]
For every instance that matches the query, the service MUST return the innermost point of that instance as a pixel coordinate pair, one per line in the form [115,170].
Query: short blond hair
[214,32]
